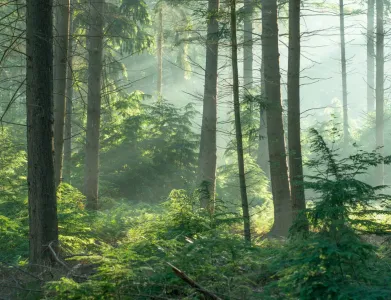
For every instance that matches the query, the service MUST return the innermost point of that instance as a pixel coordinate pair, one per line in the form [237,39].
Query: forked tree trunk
[371,56]
[95,56]
[380,85]
[207,156]
[69,107]
[294,141]
[344,74]
[43,227]
[238,125]
[60,79]
[275,130]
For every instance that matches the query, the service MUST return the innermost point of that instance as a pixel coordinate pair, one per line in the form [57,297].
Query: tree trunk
[59,85]
[371,56]
[160,55]
[238,126]
[207,156]
[95,56]
[294,141]
[263,147]
[380,85]
[275,130]
[42,204]
[344,74]
[69,108]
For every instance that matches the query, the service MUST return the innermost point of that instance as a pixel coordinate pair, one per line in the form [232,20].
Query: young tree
[294,142]
[370,56]
[380,85]
[160,53]
[69,107]
[208,148]
[60,78]
[248,46]
[344,74]
[275,130]
[238,125]
[95,64]
[43,228]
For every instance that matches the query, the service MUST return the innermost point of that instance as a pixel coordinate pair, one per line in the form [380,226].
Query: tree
[43,228]
[248,45]
[275,130]
[370,56]
[380,85]
[160,54]
[344,74]
[95,64]
[294,142]
[60,79]
[238,126]
[69,106]
[207,157]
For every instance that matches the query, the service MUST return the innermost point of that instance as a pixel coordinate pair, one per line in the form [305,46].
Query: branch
[193,284]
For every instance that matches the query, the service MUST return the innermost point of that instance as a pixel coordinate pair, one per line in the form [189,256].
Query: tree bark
[380,85]
[263,147]
[42,204]
[275,130]
[69,108]
[294,141]
[238,125]
[207,156]
[160,55]
[60,78]
[95,57]
[344,74]
[371,56]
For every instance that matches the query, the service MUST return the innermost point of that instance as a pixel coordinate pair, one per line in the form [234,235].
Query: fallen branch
[56,257]
[193,284]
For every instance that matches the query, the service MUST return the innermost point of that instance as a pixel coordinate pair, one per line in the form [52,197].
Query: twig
[56,257]
[193,284]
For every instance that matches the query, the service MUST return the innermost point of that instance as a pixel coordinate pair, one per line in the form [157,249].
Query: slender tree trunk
[43,227]
[263,147]
[275,129]
[294,141]
[69,108]
[371,56]
[95,57]
[160,55]
[59,85]
[238,125]
[207,156]
[380,85]
[344,74]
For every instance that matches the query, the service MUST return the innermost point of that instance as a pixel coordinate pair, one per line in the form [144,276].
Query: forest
[195,149]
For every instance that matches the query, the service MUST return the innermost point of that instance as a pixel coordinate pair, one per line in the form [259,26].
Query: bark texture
[238,125]
[294,141]
[69,107]
[60,79]
[380,85]
[95,56]
[371,56]
[207,156]
[275,130]
[344,74]
[43,227]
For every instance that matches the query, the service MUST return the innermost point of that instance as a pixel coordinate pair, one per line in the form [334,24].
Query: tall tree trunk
[344,74]
[294,141]
[263,147]
[371,56]
[238,125]
[380,85]
[275,129]
[160,55]
[69,108]
[43,227]
[95,56]
[59,85]
[207,156]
